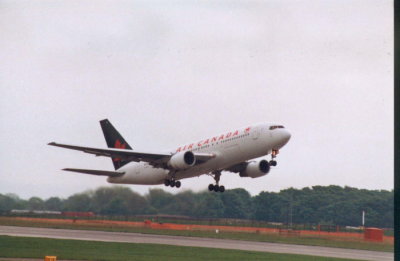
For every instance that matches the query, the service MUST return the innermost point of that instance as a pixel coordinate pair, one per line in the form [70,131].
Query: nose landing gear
[216,187]
[273,162]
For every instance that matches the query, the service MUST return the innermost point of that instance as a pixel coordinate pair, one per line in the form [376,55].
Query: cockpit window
[276,127]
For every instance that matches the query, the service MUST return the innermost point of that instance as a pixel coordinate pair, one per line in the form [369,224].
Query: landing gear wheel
[216,187]
[172,183]
[167,182]
[177,184]
[273,163]
[211,187]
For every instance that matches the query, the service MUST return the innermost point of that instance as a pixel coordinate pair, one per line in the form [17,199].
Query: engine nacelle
[256,169]
[182,160]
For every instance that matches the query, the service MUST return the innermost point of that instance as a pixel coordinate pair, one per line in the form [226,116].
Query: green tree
[9,202]
[210,205]
[54,203]
[161,201]
[35,203]
[237,204]
[267,206]
[78,202]
[118,200]
[318,204]
[183,203]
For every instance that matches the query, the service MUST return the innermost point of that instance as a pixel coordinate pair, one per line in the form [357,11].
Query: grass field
[21,247]
[302,240]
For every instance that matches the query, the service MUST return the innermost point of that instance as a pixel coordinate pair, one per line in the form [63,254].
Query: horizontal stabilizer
[97,172]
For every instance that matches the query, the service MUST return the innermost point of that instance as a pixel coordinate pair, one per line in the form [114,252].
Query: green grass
[21,247]
[302,240]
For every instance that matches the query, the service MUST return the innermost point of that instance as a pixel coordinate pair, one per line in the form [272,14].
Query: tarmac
[195,242]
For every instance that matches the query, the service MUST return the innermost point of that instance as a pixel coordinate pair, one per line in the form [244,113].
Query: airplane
[234,151]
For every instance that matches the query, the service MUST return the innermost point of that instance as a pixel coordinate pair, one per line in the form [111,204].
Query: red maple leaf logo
[119,145]
[247,130]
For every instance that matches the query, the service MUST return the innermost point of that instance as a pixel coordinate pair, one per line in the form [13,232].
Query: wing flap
[97,172]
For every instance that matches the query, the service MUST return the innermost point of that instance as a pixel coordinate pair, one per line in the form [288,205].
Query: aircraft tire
[177,184]
[167,182]
[216,188]
[273,163]
[172,183]
[211,187]
[221,189]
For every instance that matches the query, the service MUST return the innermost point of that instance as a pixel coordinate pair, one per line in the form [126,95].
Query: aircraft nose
[286,136]
[283,136]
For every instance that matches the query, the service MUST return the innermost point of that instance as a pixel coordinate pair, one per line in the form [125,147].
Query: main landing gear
[216,187]
[172,183]
[273,162]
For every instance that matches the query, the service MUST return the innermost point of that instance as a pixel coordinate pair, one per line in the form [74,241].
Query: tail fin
[114,140]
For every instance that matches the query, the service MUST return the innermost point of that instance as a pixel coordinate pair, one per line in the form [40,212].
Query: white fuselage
[230,148]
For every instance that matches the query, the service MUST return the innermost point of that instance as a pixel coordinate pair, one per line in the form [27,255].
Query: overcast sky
[166,73]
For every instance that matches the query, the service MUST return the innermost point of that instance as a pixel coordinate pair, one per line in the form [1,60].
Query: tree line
[332,205]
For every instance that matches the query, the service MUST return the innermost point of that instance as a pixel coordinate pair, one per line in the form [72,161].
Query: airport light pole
[291,212]
[363,218]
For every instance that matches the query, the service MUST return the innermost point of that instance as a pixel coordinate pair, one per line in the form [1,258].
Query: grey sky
[169,72]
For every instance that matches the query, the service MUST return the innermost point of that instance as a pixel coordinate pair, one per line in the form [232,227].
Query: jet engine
[182,160]
[256,169]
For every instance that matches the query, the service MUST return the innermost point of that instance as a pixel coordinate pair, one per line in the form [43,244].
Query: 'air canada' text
[212,140]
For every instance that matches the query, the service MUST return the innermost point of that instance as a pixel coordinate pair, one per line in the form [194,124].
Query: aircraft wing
[155,159]
[97,172]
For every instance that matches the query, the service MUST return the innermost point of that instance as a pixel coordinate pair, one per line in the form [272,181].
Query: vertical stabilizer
[114,140]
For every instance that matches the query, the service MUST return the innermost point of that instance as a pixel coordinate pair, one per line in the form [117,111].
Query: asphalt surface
[195,242]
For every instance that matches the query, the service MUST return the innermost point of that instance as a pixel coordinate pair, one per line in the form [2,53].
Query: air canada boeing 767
[234,151]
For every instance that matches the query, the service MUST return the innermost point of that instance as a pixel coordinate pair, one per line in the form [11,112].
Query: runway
[195,242]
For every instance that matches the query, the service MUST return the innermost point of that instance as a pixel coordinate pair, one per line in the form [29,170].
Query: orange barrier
[374,234]
[262,230]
